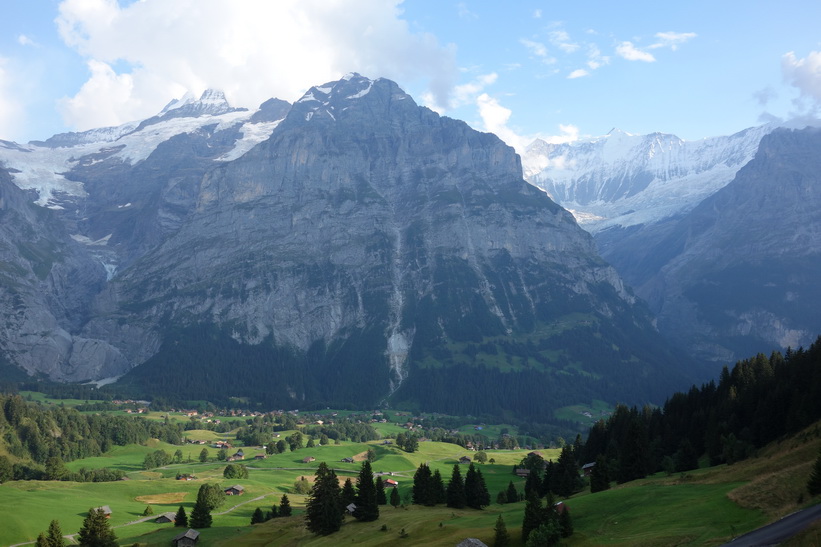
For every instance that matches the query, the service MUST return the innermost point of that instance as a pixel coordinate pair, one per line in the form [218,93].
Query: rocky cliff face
[739,273]
[368,248]
[47,281]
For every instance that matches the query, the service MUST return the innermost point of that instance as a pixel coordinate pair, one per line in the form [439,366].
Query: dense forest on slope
[35,436]
[760,400]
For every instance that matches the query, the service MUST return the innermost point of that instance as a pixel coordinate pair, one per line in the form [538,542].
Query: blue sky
[556,70]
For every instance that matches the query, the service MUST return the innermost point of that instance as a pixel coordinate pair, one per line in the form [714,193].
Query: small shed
[472,542]
[186,539]
[464,460]
[106,511]
[522,472]
[166,517]
[390,483]
[351,507]
[235,490]
[587,468]
[308,459]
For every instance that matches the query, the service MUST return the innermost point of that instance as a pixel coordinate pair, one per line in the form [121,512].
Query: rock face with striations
[369,249]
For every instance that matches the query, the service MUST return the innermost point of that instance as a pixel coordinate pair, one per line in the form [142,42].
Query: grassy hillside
[702,507]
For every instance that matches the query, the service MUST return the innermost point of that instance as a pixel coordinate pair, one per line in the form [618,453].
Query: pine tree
[395,496]
[55,535]
[273,513]
[200,516]
[96,531]
[476,494]
[257,517]
[599,477]
[348,494]
[422,490]
[565,523]
[533,516]
[501,538]
[814,482]
[41,540]
[181,519]
[285,507]
[323,513]
[438,488]
[381,498]
[456,489]
[512,494]
[367,508]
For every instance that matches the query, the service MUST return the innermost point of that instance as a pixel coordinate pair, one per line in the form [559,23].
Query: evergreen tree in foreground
[348,495]
[200,516]
[814,483]
[258,516]
[501,537]
[395,496]
[599,477]
[323,513]
[367,508]
[476,494]
[381,498]
[96,531]
[55,535]
[181,519]
[285,506]
[41,540]
[456,490]
[438,487]
[532,517]
[423,488]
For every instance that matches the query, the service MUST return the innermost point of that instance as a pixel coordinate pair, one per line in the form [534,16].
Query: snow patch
[361,93]
[252,135]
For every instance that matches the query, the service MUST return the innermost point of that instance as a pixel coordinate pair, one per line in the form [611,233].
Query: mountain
[624,180]
[361,248]
[739,273]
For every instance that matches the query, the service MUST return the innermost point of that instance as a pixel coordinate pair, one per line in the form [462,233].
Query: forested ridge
[760,400]
[42,439]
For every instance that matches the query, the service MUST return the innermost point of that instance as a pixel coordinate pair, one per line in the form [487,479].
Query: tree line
[760,400]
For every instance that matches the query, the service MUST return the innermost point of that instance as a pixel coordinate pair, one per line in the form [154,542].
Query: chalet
[106,511]
[185,477]
[235,490]
[186,539]
[347,460]
[587,468]
[260,456]
[390,483]
[308,459]
[522,472]
[464,460]
[166,517]
[560,507]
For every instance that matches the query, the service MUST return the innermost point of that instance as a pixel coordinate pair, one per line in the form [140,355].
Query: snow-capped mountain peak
[625,179]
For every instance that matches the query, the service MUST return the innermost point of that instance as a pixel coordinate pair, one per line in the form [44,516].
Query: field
[703,507]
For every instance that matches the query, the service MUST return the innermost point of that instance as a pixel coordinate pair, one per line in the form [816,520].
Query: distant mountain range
[719,236]
[349,249]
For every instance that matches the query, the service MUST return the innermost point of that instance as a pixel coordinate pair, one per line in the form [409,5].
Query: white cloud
[538,49]
[561,39]
[537,14]
[24,40]
[252,50]
[595,59]
[466,93]
[578,73]
[672,39]
[464,11]
[804,74]
[630,52]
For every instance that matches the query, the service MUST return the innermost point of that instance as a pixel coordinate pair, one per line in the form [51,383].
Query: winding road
[780,530]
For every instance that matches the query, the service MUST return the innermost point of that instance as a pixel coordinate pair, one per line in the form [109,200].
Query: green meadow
[703,507]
